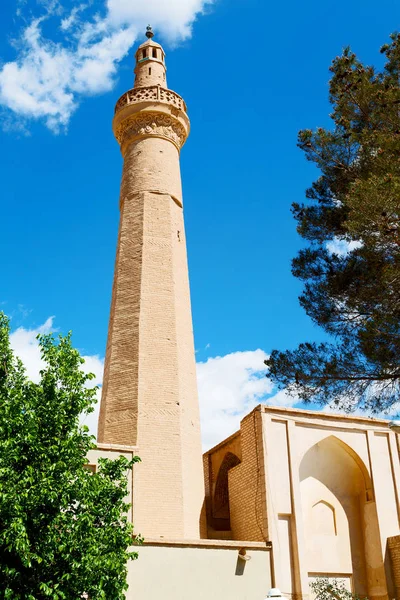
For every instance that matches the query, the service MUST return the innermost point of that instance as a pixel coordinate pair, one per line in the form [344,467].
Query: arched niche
[220,505]
[323,519]
[334,446]
[335,483]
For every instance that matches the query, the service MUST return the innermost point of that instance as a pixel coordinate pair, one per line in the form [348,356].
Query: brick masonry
[394,550]
[149,395]
[246,481]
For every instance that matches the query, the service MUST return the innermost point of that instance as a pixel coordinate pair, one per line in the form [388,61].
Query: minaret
[149,395]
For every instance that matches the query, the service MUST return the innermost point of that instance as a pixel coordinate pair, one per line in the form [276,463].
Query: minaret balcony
[153,93]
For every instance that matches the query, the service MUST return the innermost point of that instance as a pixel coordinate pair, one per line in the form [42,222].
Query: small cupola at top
[150,66]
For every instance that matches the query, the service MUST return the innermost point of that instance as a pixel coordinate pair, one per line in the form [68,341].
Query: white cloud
[341,247]
[230,387]
[48,77]
[25,345]
[94,364]
[173,18]
[283,399]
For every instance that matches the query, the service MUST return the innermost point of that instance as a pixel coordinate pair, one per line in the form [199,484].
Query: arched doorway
[220,506]
[339,517]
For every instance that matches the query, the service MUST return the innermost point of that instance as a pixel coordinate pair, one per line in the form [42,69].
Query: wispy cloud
[50,75]
[67,23]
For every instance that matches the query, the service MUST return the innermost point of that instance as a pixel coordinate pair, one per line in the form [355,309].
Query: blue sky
[252,73]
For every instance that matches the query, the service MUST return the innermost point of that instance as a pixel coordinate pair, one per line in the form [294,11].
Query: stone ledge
[116,447]
[223,544]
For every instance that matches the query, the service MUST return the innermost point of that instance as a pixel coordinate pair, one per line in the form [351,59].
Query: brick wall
[246,481]
[247,484]
[394,551]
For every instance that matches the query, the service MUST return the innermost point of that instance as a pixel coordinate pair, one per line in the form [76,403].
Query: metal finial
[149,32]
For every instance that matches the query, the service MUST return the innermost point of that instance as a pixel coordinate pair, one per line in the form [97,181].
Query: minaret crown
[150,66]
[150,109]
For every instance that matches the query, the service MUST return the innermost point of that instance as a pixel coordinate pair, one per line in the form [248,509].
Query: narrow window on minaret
[154,53]
[144,53]
[150,71]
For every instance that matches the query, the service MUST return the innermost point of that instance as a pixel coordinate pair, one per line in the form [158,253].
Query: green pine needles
[351,265]
[64,532]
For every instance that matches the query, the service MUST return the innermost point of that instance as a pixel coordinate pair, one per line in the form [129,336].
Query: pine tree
[353,294]
[64,532]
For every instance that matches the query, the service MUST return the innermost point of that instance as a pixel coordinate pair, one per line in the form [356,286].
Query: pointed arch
[332,473]
[324,518]
[221,492]
[330,439]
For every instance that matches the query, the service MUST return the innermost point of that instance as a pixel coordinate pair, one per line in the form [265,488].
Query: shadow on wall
[220,507]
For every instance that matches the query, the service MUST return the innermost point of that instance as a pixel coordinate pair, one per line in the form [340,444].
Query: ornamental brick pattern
[149,395]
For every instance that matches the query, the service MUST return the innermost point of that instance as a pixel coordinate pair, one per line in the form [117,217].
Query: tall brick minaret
[149,392]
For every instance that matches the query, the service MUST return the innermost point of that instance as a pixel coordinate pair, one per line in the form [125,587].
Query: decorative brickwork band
[150,93]
[150,124]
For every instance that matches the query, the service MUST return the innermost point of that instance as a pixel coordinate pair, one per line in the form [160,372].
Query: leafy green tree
[64,533]
[331,589]
[354,295]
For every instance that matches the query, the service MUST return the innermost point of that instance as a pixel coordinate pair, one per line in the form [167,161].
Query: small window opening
[154,52]
[150,71]
[144,53]
[164,76]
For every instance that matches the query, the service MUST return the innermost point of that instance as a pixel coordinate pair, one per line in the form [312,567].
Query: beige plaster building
[290,496]
[323,489]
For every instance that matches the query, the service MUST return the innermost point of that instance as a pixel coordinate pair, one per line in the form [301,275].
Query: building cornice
[319,415]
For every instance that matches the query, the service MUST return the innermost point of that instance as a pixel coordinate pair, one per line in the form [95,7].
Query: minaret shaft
[149,395]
